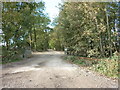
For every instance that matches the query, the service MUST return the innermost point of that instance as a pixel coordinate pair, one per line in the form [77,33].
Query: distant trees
[23,26]
[89,29]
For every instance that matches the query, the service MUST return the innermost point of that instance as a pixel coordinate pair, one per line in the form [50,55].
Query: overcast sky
[51,7]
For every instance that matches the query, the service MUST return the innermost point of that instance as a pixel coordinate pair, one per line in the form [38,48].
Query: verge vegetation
[106,66]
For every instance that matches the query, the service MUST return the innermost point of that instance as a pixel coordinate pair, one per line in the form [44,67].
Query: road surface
[49,70]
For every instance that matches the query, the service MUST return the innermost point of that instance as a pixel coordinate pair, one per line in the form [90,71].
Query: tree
[20,23]
[87,28]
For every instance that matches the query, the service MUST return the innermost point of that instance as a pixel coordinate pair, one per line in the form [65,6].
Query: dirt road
[48,70]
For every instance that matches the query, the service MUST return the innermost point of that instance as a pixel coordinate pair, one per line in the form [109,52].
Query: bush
[10,55]
[108,66]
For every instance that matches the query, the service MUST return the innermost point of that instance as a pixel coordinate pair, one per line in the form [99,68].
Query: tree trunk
[30,39]
[109,34]
[35,40]
[100,43]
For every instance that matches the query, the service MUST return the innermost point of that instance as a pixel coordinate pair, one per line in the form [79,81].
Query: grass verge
[106,66]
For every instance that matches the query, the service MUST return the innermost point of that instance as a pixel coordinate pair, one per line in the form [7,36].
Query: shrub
[108,66]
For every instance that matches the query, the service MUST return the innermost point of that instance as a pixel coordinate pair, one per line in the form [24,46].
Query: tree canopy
[88,29]
[24,26]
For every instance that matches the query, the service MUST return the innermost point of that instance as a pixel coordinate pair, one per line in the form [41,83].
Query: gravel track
[48,70]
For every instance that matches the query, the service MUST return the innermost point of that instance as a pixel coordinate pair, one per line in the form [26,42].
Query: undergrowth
[106,66]
[9,61]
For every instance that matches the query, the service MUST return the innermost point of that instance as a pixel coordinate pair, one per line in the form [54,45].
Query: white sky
[51,7]
[0,31]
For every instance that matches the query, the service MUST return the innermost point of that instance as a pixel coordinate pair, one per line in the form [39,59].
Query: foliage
[23,26]
[81,62]
[88,29]
[106,66]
